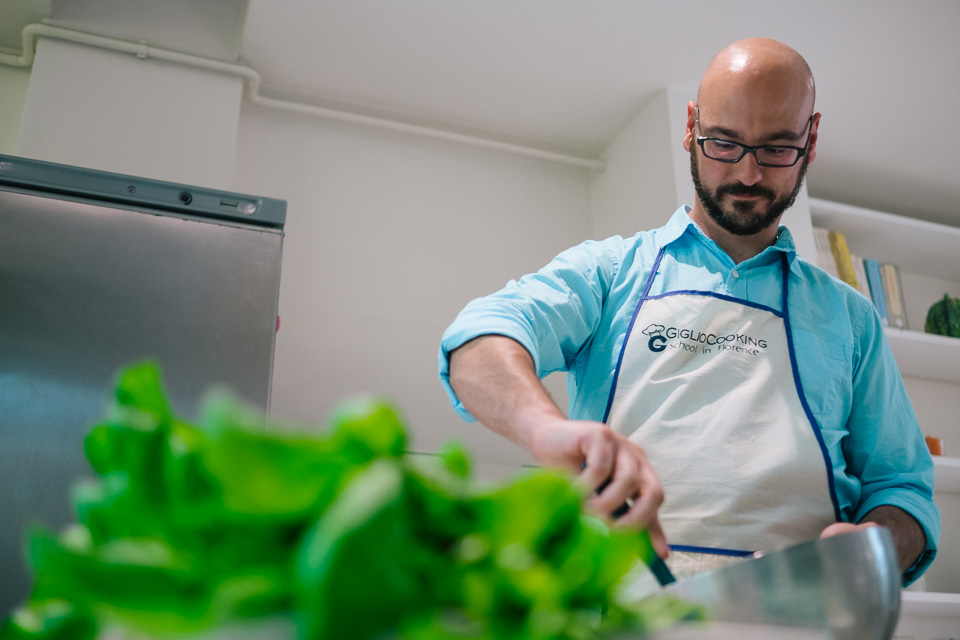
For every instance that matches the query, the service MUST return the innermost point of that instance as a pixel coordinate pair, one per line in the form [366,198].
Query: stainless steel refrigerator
[100,270]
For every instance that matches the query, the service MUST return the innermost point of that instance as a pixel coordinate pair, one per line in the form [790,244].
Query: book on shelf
[875,286]
[877,281]
[834,257]
[893,294]
[841,254]
[863,286]
[825,259]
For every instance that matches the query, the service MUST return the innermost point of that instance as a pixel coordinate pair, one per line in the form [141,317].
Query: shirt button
[736,274]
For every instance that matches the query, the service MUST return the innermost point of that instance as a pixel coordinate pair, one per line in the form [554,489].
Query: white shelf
[947,474]
[926,615]
[922,247]
[924,355]
[927,603]
[928,255]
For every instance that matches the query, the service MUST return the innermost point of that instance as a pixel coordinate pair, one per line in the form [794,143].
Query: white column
[111,111]
[13,94]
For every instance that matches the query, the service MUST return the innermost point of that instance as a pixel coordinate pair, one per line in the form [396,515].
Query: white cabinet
[928,255]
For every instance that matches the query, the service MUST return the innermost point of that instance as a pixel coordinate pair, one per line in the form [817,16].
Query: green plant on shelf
[943,318]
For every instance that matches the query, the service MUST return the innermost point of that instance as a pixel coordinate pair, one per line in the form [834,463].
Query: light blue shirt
[573,315]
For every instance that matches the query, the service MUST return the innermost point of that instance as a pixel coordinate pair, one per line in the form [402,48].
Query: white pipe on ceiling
[252,82]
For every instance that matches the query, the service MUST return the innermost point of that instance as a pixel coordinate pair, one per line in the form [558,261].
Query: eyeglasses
[775,155]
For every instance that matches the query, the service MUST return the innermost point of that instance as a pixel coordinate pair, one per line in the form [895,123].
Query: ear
[688,134]
[814,130]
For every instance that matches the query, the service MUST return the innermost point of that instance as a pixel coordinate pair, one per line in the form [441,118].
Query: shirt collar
[681,223]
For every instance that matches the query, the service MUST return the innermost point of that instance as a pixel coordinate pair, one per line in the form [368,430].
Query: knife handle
[655,563]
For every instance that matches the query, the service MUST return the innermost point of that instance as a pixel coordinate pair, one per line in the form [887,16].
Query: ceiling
[567,75]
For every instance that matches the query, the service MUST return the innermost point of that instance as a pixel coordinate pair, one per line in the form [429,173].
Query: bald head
[759,94]
[758,73]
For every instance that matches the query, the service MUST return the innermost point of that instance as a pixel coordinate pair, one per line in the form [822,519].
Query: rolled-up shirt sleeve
[552,312]
[885,449]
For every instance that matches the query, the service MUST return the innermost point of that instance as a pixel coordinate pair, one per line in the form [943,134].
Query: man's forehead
[773,98]
[754,123]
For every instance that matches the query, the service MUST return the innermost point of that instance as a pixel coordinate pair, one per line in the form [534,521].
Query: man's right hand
[605,455]
[495,379]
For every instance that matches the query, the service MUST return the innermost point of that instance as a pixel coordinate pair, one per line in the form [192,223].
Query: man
[708,363]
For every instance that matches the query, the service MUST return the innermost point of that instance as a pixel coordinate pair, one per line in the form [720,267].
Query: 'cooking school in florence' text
[698,342]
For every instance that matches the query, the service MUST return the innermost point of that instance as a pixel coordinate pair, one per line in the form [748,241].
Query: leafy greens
[340,534]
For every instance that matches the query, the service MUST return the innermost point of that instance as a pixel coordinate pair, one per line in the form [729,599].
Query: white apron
[707,385]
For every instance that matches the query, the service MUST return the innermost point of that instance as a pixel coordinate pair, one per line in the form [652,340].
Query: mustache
[738,189]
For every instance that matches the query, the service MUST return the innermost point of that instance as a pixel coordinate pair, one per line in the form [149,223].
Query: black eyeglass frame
[745,149]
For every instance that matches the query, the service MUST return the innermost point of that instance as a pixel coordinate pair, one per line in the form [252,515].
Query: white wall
[110,111]
[636,190]
[388,235]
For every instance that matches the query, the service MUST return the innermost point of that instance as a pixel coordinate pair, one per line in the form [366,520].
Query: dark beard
[742,221]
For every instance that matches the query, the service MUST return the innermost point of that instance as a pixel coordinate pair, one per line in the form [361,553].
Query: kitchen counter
[739,631]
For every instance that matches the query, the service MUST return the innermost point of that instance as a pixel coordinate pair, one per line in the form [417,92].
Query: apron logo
[657,342]
[697,341]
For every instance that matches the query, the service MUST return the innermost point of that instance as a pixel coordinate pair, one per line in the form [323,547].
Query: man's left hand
[839,528]
[908,535]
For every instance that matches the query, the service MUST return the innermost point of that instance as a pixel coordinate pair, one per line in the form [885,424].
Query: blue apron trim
[803,398]
[721,296]
[793,364]
[646,296]
[736,553]
[626,336]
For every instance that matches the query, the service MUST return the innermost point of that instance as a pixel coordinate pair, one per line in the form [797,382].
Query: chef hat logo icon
[654,330]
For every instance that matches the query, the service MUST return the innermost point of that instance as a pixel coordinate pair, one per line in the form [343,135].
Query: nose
[748,171]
